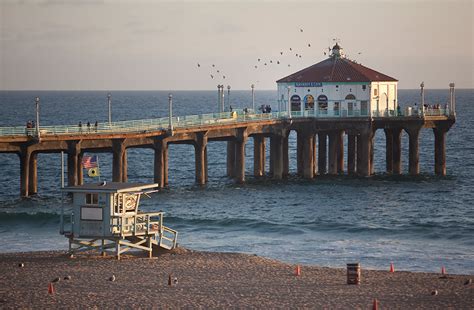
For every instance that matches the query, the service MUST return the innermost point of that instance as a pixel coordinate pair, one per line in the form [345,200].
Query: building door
[309,102]
[350,100]
[322,104]
[295,103]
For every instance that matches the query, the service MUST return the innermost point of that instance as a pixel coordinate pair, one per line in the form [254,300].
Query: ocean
[418,223]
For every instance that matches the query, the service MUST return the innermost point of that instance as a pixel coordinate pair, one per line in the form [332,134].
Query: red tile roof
[336,69]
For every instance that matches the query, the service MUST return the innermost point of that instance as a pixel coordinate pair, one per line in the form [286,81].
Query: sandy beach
[214,280]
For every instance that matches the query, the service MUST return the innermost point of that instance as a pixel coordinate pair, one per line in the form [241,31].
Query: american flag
[89,161]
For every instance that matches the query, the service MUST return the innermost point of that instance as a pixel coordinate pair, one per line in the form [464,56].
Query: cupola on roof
[337,68]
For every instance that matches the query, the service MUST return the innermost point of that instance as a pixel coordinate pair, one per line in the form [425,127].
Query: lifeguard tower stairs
[105,218]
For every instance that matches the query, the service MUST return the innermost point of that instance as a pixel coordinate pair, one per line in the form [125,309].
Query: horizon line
[178,90]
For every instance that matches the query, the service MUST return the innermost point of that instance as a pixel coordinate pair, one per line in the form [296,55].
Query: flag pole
[61,225]
[62,169]
[98,167]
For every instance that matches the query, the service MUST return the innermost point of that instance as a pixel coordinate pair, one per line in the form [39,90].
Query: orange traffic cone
[375,306]
[392,268]
[443,270]
[298,270]
[50,288]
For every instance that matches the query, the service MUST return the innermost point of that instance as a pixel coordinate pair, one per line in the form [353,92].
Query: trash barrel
[353,273]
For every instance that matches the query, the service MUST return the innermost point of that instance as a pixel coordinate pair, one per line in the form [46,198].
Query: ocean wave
[28,217]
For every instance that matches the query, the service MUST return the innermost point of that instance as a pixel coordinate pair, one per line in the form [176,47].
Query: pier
[320,143]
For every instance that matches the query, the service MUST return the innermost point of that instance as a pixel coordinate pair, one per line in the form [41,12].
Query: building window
[376,92]
[364,87]
[92,199]
[295,103]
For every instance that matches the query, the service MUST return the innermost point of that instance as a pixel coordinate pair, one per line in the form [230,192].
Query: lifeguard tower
[105,218]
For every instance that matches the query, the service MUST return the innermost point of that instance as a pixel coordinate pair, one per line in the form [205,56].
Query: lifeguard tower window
[376,92]
[92,199]
[91,214]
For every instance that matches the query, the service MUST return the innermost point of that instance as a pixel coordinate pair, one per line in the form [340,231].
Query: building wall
[386,95]
[337,92]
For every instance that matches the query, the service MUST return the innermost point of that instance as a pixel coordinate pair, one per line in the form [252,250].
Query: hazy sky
[156,45]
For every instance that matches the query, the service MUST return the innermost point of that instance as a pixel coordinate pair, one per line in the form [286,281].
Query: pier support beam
[372,144]
[333,153]
[258,155]
[351,153]
[200,150]
[388,150]
[322,153]
[299,153]
[118,149]
[25,160]
[231,159]
[160,162]
[414,152]
[340,151]
[80,172]
[363,153]
[124,166]
[440,150]
[33,175]
[276,155]
[73,162]
[397,150]
[308,155]
[240,156]
[286,159]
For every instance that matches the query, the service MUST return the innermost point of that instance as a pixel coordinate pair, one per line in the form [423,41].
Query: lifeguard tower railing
[214,119]
[144,224]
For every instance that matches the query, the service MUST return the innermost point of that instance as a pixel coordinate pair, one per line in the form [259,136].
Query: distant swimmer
[309,44]
[278,62]
[301,30]
[212,76]
[199,65]
[281,53]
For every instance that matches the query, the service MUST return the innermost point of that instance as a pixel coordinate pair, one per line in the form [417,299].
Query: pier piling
[322,153]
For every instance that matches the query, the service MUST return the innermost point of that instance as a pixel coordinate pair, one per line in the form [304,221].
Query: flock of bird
[280,60]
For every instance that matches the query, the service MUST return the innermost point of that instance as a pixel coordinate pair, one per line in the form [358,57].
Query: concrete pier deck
[320,144]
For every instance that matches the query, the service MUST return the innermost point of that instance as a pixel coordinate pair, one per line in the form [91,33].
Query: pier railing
[211,119]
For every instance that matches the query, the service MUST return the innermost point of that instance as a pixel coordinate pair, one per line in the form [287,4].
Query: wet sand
[214,280]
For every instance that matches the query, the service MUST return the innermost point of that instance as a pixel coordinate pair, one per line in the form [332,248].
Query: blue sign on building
[308,84]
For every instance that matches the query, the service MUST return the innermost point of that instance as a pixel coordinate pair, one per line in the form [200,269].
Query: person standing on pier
[80,126]
[95,126]
[88,127]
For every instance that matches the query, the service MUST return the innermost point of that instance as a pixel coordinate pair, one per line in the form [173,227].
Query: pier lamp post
[222,99]
[422,86]
[37,103]
[253,97]
[170,107]
[109,102]
[452,99]
[218,97]
[289,102]
[228,97]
